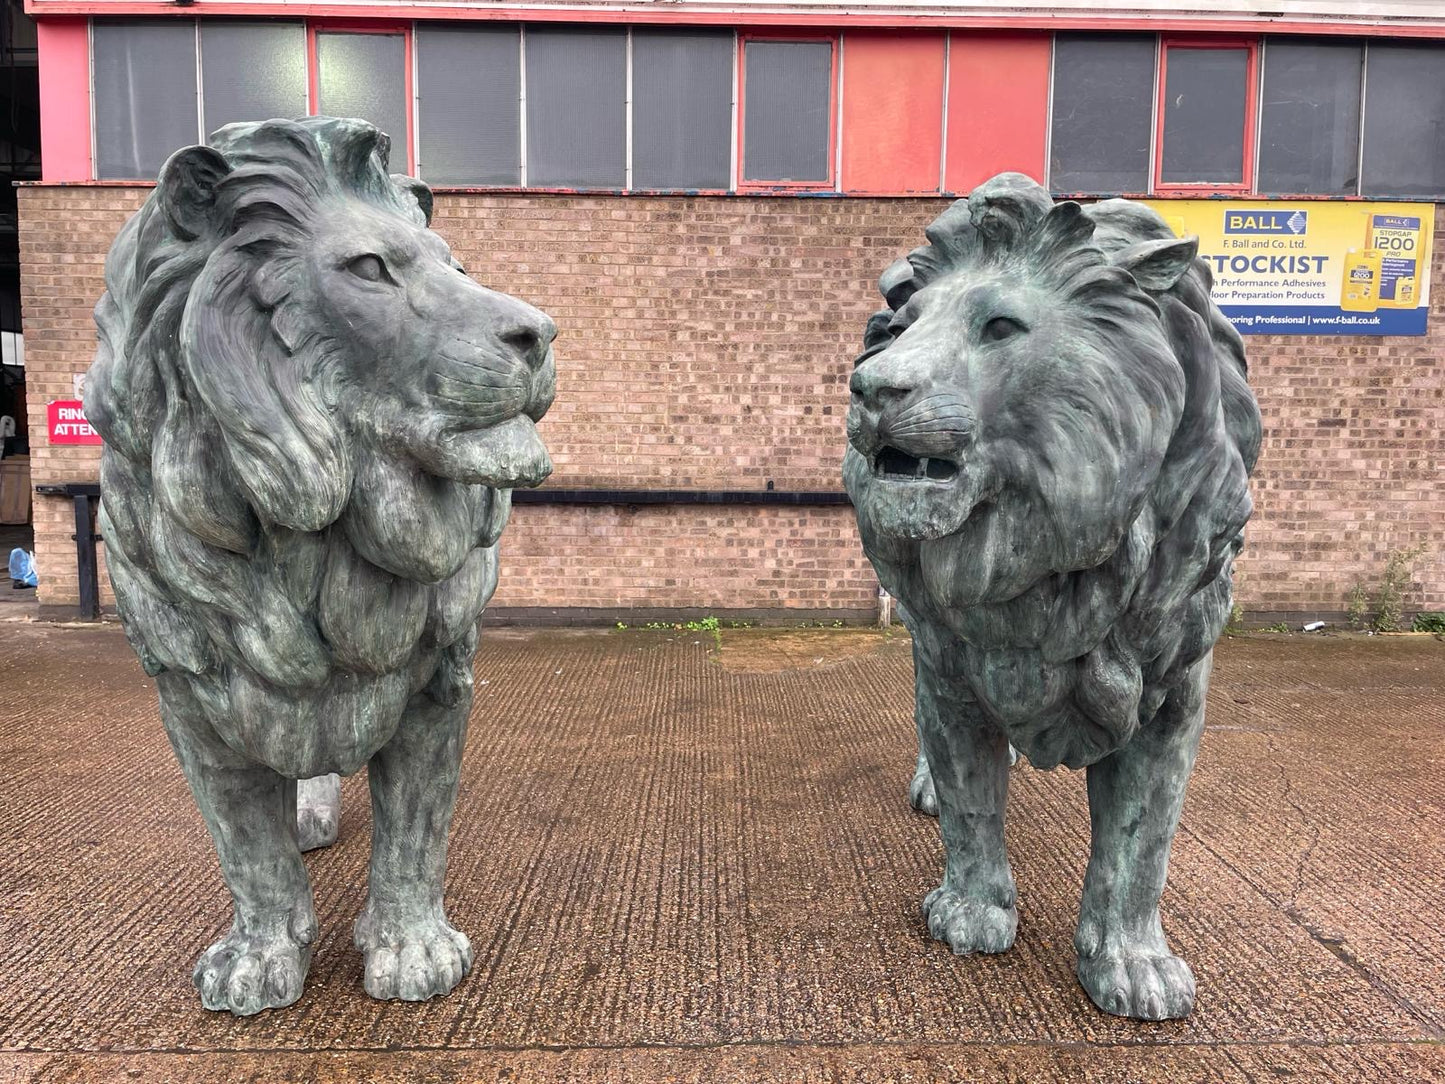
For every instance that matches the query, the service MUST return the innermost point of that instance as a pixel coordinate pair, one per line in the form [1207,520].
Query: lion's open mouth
[894,465]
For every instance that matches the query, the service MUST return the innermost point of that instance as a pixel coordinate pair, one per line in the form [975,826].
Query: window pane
[787,111]
[576,108]
[145,96]
[252,71]
[1405,121]
[682,89]
[364,76]
[1204,102]
[469,105]
[1103,113]
[1309,137]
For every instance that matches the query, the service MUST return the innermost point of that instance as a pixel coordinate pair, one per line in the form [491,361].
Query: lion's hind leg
[261,963]
[973,909]
[318,811]
[1135,797]
[411,951]
[922,795]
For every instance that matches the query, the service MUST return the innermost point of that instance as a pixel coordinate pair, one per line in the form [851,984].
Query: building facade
[703,196]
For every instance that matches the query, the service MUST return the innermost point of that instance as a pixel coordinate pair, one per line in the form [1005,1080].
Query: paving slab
[679,861]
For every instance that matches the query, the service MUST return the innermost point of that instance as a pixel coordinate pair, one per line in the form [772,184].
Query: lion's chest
[1071,712]
[388,641]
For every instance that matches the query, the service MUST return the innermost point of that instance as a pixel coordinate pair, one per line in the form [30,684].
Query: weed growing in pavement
[1429,623]
[1357,611]
[1389,602]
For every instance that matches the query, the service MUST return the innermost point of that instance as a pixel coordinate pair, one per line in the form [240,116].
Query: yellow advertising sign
[1313,268]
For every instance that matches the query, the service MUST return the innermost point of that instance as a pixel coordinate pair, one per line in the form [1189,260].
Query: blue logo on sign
[1292,222]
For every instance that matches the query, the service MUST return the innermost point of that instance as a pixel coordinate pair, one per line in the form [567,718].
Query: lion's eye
[368,267]
[1002,327]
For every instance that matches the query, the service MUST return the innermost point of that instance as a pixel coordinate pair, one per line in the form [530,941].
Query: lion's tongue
[505,456]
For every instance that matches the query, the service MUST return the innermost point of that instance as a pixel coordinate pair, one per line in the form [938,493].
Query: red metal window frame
[364,26]
[831,183]
[1251,117]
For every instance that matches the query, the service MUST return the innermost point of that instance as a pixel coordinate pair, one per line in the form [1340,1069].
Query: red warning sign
[67,424]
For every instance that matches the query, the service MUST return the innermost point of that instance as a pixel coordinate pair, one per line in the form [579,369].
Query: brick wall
[707,342]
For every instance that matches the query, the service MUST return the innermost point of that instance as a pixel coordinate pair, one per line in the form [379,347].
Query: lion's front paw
[244,973]
[967,924]
[411,960]
[1140,984]
[921,795]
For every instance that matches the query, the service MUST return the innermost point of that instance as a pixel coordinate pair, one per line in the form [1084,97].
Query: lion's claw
[969,925]
[921,795]
[412,962]
[1140,985]
[246,973]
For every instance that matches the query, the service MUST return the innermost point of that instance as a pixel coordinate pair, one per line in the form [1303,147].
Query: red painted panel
[64,48]
[892,111]
[998,105]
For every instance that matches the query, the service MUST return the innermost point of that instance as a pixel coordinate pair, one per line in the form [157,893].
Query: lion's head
[318,312]
[1049,441]
[305,402]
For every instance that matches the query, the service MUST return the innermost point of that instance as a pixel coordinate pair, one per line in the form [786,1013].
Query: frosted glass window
[682,88]
[1102,122]
[364,76]
[145,96]
[251,71]
[576,108]
[1405,121]
[787,114]
[469,105]
[1205,98]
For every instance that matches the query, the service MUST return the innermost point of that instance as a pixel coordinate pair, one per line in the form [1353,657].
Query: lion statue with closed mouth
[313,421]
[1050,441]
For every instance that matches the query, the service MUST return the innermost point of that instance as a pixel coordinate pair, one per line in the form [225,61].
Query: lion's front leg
[973,909]
[261,963]
[1135,797]
[411,951]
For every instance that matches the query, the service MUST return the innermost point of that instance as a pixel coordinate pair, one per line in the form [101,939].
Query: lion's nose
[529,334]
[877,386]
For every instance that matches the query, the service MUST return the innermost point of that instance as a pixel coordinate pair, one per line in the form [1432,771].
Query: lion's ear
[419,193]
[1158,265]
[187,189]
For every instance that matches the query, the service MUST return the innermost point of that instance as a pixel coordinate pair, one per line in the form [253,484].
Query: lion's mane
[304,581]
[1070,602]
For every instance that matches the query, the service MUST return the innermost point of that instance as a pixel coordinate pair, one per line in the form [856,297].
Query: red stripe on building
[892,112]
[998,106]
[64,52]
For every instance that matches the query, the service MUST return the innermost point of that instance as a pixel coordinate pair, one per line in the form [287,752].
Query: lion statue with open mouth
[1050,444]
[313,421]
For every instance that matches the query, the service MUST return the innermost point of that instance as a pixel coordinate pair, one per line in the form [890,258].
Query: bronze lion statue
[1050,441]
[313,420]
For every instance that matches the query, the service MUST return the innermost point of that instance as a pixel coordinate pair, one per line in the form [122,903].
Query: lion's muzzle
[491,378]
[909,430]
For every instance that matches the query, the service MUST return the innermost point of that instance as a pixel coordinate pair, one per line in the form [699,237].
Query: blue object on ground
[22,568]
